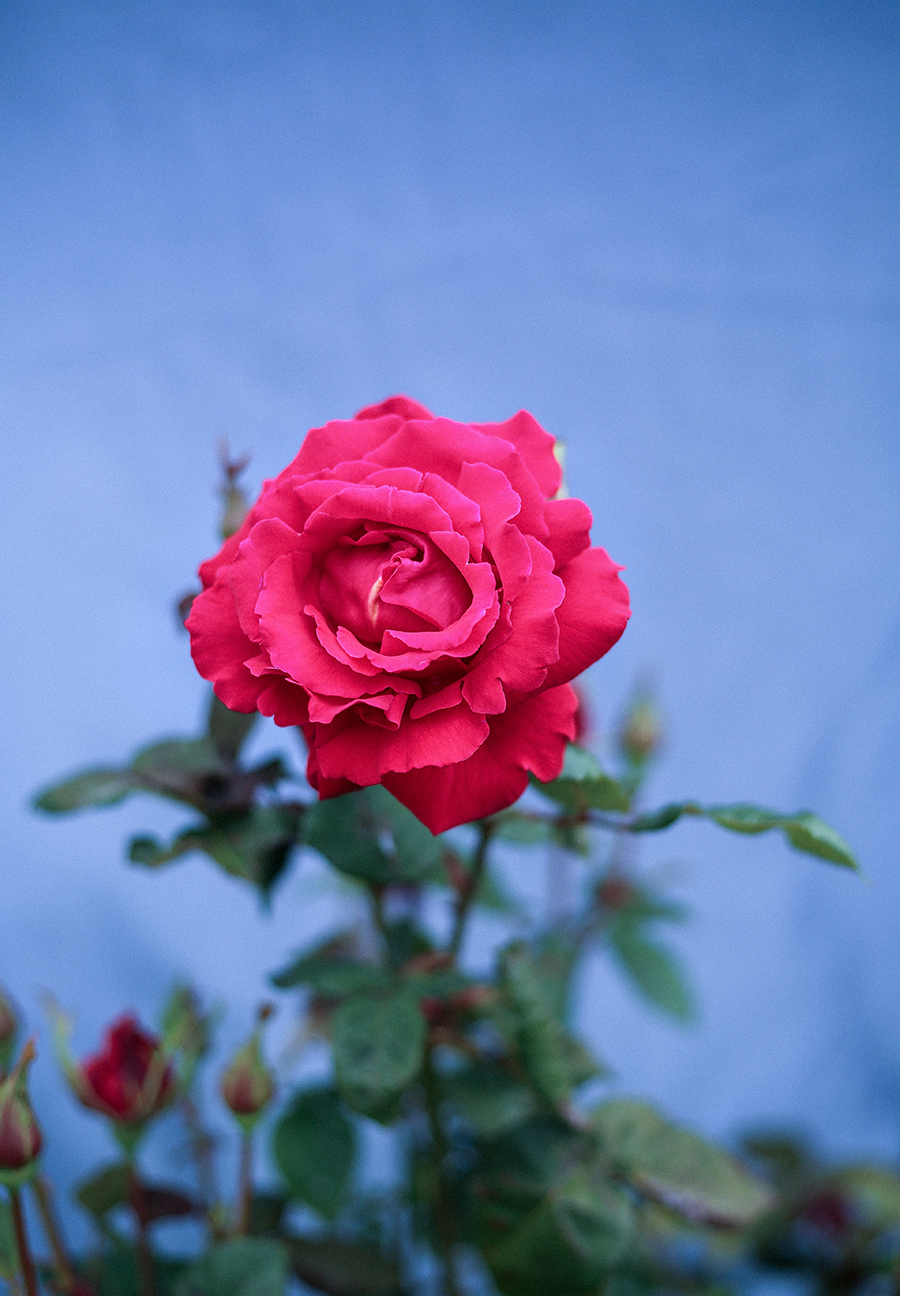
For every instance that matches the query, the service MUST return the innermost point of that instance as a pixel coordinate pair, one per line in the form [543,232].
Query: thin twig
[68,1279]
[144,1254]
[444,1212]
[470,890]
[26,1263]
[245,1184]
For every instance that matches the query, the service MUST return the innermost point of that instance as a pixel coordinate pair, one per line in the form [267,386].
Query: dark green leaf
[228,730]
[254,846]
[538,1035]
[116,1274]
[584,784]
[93,787]
[417,853]
[405,941]
[805,831]
[315,1149]
[651,968]
[344,1268]
[491,1099]
[547,1218]
[555,959]
[153,853]
[266,1213]
[334,977]
[238,1267]
[105,1190]
[676,1167]
[344,830]
[9,1256]
[656,820]
[378,1042]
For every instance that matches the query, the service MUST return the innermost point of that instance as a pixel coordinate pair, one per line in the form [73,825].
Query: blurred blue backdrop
[667,229]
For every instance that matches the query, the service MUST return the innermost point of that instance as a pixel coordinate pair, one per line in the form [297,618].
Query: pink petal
[365,754]
[220,648]
[592,616]
[569,523]
[531,736]
[402,405]
[534,445]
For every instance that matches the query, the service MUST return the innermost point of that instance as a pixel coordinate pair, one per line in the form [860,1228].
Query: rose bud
[130,1080]
[248,1085]
[8,1028]
[641,732]
[20,1134]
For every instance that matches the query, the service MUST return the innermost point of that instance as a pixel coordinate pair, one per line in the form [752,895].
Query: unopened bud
[233,495]
[248,1085]
[641,733]
[20,1135]
[8,1027]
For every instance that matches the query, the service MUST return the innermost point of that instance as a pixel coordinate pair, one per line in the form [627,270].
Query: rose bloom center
[374,580]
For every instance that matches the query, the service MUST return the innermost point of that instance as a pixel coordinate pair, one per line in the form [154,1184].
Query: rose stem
[467,895]
[443,1202]
[144,1254]
[245,1184]
[202,1148]
[61,1259]
[26,1263]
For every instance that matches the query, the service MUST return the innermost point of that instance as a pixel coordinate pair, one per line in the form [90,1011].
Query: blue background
[667,229]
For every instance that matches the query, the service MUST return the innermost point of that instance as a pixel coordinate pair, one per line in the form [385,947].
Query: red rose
[410,593]
[130,1079]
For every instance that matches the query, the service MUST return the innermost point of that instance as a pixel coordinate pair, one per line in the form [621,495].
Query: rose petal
[592,616]
[220,648]
[534,445]
[531,736]
[569,523]
[402,405]
[365,754]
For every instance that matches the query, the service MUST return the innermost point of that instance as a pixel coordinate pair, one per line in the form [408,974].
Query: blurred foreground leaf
[238,1267]
[677,1167]
[315,1149]
[378,1043]
[343,1268]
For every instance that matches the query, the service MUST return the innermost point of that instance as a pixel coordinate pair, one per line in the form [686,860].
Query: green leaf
[417,853]
[744,818]
[315,1149]
[808,833]
[228,730]
[334,977]
[874,1193]
[344,1268]
[676,1167]
[378,1042]
[524,829]
[9,1255]
[656,820]
[103,786]
[650,967]
[254,846]
[584,784]
[491,1099]
[546,1216]
[538,1035]
[105,1190]
[344,830]
[116,1274]
[238,1267]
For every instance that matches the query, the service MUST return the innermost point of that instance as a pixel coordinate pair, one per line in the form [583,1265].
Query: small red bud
[130,1079]
[20,1135]
[614,892]
[247,1085]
